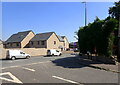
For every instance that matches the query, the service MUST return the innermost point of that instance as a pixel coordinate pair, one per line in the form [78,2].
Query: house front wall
[1,45]
[66,43]
[38,44]
[27,39]
[12,45]
[61,44]
[51,42]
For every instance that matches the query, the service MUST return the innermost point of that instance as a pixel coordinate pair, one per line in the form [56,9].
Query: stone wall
[2,53]
[31,51]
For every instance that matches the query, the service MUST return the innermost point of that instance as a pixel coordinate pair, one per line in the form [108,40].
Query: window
[11,44]
[64,44]
[5,46]
[54,42]
[22,53]
[42,42]
[38,42]
[57,51]
[17,44]
[32,43]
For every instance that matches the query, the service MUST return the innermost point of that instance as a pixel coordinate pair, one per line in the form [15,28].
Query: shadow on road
[4,59]
[12,60]
[73,62]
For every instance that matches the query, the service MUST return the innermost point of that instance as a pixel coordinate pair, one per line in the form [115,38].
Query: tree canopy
[115,10]
[102,34]
[97,34]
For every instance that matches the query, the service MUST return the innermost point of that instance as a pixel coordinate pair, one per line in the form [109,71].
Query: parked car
[53,52]
[14,54]
[76,50]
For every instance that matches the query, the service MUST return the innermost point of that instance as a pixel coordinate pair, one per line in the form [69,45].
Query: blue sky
[64,18]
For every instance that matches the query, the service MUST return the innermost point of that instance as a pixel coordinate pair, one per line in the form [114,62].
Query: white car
[53,52]
[13,54]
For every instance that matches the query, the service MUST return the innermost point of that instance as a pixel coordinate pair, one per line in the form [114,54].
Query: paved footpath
[99,65]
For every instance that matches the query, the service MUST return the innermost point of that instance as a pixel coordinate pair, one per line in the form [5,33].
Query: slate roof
[18,37]
[60,38]
[42,36]
[63,37]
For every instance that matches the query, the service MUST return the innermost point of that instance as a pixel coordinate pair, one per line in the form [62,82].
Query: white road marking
[38,63]
[10,67]
[65,79]
[28,69]
[24,65]
[15,80]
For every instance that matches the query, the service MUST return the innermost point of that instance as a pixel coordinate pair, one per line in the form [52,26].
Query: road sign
[74,43]
[15,80]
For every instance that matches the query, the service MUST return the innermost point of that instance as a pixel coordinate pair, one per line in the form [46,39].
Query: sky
[63,18]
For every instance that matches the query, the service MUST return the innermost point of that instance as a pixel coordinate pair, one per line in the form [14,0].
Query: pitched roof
[42,36]
[18,37]
[60,38]
[63,37]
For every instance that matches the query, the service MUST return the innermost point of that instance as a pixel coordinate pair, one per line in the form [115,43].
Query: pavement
[98,65]
[56,70]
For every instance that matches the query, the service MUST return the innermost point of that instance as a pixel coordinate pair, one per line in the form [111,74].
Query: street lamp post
[85,14]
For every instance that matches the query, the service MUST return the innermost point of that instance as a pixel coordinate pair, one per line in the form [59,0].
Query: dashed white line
[24,65]
[10,67]
[70,81]
[38,63]
[28,69]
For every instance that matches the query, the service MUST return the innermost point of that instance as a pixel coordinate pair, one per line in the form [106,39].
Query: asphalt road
[56,69]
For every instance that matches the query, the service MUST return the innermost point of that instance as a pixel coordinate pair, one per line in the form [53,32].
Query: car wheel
[27,57]
[52,54]
[13,58]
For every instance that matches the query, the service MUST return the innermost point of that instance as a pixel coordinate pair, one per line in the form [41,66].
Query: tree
[115,13]
[97,34]
[115,10]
